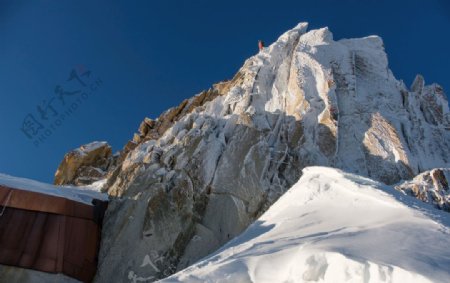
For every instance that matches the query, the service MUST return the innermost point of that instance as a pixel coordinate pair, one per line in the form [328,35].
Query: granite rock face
[85,165]
[430,186]
[198,175]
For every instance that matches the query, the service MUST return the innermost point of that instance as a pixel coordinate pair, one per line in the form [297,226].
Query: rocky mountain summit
[198,175]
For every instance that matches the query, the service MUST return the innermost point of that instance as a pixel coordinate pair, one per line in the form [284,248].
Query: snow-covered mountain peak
[294,33]
[305,100]
[276,79]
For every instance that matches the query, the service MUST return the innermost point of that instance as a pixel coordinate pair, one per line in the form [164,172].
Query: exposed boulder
[430,186]
[85,165]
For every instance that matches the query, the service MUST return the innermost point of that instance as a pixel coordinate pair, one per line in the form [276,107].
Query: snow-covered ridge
[334,227]
[81,194]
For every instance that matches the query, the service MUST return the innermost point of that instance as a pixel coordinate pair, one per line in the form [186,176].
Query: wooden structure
[49,233]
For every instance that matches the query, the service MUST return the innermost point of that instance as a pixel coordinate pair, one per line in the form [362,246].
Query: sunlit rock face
[85,165]
[430,186]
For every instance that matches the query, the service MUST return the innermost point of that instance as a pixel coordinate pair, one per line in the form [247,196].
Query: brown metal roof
[49,233]
[16,198]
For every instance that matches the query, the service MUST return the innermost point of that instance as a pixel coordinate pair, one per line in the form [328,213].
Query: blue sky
[150,55]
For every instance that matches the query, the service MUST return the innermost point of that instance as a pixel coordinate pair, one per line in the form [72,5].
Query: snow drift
[335,227]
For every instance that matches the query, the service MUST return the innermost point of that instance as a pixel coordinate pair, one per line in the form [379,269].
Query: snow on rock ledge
[334,227]
[84,165]
[430,186]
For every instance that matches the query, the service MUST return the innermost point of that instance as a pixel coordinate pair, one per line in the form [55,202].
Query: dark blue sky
[150,55]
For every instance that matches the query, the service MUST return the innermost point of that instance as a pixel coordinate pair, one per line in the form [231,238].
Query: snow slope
[81,194]
[335,227]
